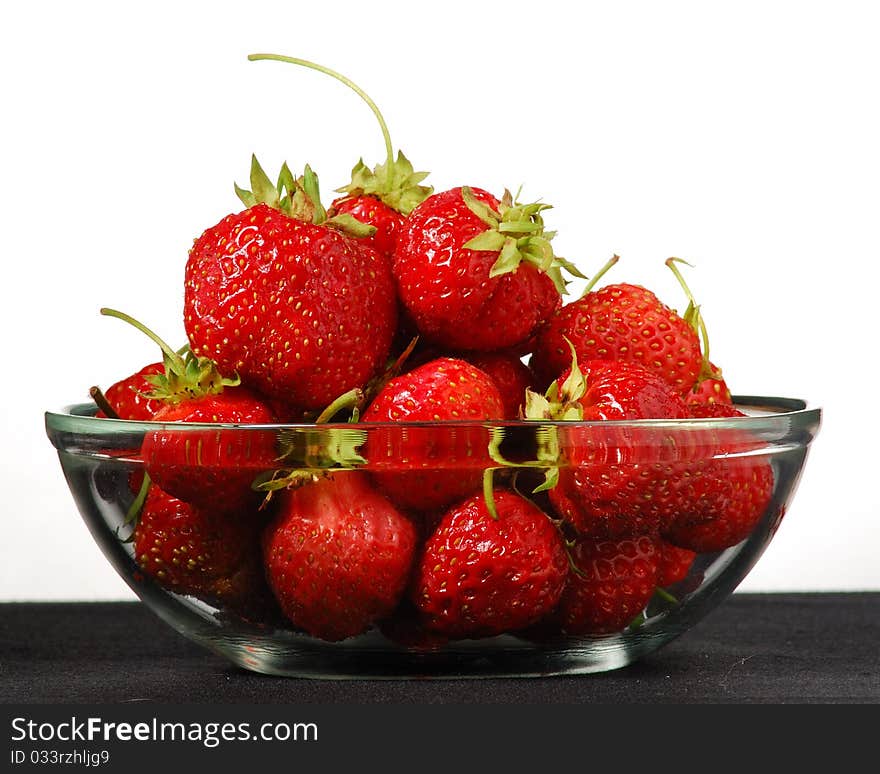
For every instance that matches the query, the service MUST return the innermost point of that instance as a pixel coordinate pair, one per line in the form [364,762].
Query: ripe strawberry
[617,481]
[128,397]
[477,273]
[381,197]
[742,487]
[202,553]
[301,311]
[338,555]
[510,374]
[621,322]
[480,576]
[610,583]
[213,467]
[430,467]
[372,211]
[675,564]
[712,389]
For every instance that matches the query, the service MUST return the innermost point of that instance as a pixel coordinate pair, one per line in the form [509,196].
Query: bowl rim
[776,409]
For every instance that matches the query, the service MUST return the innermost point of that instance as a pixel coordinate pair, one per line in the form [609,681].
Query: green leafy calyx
[394,183]
[694,318]
[187,376]
[298,198]
[516,232]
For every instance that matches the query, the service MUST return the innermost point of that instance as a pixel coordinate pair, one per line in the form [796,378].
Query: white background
[744,137]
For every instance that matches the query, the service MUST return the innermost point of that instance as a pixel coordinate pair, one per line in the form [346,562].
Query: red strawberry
[710,390]
[212,467]
[301,311]
[620,322]
[477,273]
[432,467]
[675,564]
[373,212]
[128,397]
[381,197]
[480,576]
[609,584]
[749,488]
[510,374]
[202,553]
[741,486]
[338,555]
[618,481]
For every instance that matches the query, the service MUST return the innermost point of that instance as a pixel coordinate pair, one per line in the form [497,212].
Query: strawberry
[128,399]
[480,576]
[510,374]
[675,564]
[712,389]
[213,468]
[609,584]
[742,487]
[210,467]
[621,322]
[477,273]
[372,211]
[617,481]
[381,197]
[337,555]
[278,294]
[430,468]
[202,553]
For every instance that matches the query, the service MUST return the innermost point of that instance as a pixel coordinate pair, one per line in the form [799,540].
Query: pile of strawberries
[398,304]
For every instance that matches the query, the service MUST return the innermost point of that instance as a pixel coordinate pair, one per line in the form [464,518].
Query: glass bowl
[101,460]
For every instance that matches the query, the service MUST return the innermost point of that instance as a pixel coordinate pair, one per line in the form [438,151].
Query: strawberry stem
[389,150]
[134,510]
[102,403]
[348,400]
[489,492]
[173,356]
[592,283]
[694,317]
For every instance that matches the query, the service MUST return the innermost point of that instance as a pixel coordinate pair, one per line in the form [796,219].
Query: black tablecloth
[755,648]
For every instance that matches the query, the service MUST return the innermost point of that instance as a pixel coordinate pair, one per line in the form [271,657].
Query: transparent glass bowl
[101,462]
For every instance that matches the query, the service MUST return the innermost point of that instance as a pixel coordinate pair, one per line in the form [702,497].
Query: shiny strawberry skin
[338,555]
[374,212]
[613,583]
[447,289]
[675,564]
[440,467]
[620,322]
[626,481]
[211,468]
[747,486]
[126,396]
[510,374]
[479,576]
[301,312]
[207,554]
[709,391]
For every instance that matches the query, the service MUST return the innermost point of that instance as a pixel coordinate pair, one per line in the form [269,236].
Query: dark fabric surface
[755,648]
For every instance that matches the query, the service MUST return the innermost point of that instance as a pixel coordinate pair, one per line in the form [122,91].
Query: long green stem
[692,304]
[389,149]
[596,277]
[166,350]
